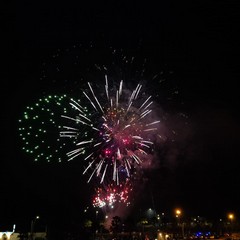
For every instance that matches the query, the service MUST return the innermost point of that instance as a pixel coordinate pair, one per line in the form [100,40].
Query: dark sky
[196,41]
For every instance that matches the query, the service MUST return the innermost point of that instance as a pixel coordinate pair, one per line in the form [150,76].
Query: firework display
[108,197]
[111,124]
[114,134]
[39,129]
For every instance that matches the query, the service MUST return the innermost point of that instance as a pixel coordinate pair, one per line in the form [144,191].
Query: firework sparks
[113,131]
[112,195]
[39,129]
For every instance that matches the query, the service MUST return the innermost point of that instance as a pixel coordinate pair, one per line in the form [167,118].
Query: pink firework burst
[112,195]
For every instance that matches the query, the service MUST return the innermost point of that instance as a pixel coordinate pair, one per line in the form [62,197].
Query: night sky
[195,42]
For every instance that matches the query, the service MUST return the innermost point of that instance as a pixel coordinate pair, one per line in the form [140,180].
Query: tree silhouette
[116,224]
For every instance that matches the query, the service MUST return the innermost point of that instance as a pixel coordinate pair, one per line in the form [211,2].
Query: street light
[96,222]
[150,213]
[32,226]
[178,213]
[231,217]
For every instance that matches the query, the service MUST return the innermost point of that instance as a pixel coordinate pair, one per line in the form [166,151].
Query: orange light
[231,216]
[178,212]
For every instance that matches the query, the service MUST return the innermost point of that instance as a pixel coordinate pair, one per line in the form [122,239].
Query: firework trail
[113,133]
